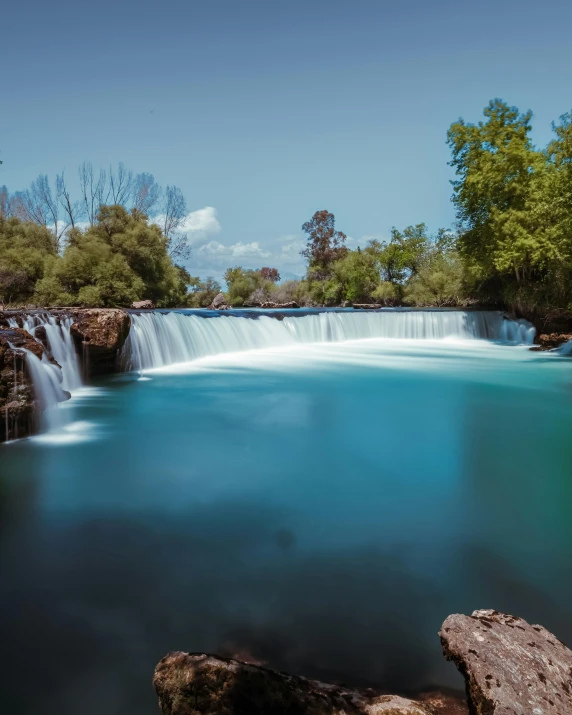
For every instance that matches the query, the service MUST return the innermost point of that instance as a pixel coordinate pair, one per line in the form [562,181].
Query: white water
[47,379]
[161,339]
[60,344]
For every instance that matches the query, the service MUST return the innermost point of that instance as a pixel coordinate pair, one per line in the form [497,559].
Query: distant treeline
[511,245]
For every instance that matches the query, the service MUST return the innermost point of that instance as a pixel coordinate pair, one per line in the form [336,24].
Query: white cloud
[199,225]
[236,250]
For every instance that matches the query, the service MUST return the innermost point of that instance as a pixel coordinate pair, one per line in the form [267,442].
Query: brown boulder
[143,305]
[199,684]
[219,303]
[99,334]
[510,667]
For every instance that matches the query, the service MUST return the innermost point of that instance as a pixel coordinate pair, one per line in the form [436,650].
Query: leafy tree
[25,249]
[324,244]
[202,293]
[270,274]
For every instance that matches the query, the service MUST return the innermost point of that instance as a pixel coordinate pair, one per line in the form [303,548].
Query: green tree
[324,244]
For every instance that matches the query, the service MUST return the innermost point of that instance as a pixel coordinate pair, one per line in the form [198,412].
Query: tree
[72,209]
[270,274]
[173,212]
[496,163]
[324,244]
[146,193]
[94,190]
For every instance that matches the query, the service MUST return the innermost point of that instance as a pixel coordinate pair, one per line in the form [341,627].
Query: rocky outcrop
[550,341]
[283,306]
[199,684]
[366,306]
[219,303]
[510,667]
[18,407]
[99,335]
[143,305]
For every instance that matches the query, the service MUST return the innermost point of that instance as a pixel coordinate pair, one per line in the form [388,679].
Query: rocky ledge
[509,666]
[99,335]
[201,684]
[18,406]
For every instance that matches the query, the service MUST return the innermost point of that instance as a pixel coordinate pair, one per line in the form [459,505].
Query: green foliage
[25,250]
[324,246]
[202,293]
[514,207]
[247,286]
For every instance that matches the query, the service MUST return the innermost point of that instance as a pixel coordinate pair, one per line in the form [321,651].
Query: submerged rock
[199,684]
[99,335]
[366,306]
[510,667]
[143,305]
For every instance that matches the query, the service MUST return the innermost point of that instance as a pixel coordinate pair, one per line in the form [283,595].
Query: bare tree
[173,211]
[120,184]
[72,209]
[146,193]
[94,190]
[4,202]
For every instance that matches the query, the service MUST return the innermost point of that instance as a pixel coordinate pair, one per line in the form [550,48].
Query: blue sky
[265,111]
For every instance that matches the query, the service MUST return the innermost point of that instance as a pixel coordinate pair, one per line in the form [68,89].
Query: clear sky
[264,111]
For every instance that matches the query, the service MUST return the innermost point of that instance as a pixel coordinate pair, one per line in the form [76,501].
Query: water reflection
[317,513]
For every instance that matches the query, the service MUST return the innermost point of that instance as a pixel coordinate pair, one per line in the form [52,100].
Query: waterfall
[51,384]
[163,338]
[46,379]
[60,344]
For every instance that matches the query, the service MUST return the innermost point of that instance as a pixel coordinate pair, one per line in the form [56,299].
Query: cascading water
[51,384]
[158,339]
[60,344]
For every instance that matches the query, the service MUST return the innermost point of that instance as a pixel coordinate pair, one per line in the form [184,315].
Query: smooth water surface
[319,508]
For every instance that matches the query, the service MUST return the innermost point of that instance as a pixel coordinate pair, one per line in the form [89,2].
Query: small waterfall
[46,379]
[158,339]
[51,385]
[60,344]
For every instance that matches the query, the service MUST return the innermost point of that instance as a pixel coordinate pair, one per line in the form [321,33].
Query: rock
[510,667]
[143,305]
[366,306]
[99,334]
[219,303]
[549,341]
[283,306]
[197,684]
[18,407]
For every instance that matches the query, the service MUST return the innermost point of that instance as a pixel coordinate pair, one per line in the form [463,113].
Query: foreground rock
[99,335]
[510,667]
[198,684]
[219,303]
[143,305]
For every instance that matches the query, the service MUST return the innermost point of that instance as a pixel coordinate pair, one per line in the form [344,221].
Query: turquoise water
[319,508]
